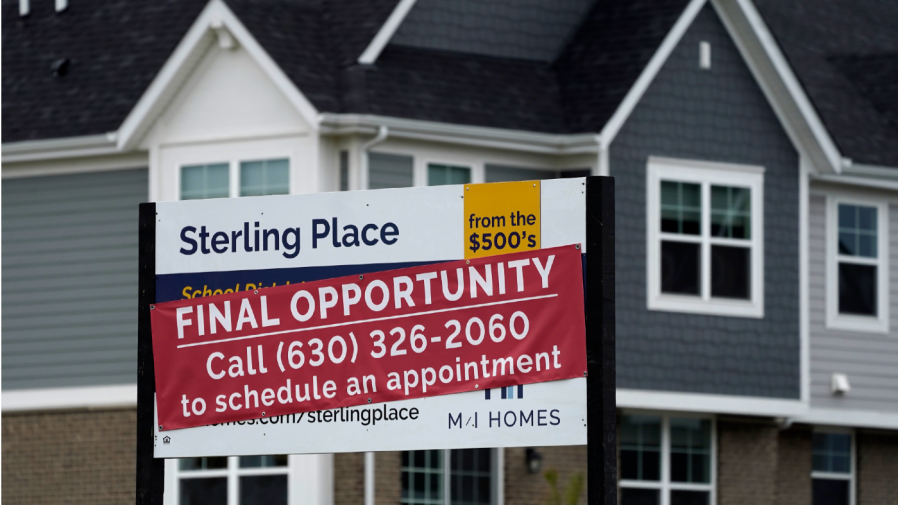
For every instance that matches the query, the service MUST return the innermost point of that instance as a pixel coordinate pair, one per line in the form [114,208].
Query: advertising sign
[511,262]
[408,333]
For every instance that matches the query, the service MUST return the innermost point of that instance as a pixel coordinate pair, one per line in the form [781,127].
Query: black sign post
[601,432]
[600,336]
[150,471]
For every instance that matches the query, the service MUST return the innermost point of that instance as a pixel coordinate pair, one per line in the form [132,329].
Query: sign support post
[150,471]
[601,410]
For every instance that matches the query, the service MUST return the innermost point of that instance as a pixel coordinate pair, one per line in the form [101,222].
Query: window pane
[471,476]
[857,231]
[832,452]
[730,272]
[689,497]
[857,289]
[344,170]
[266,177]
[730,212]
[495,173]
[422,477]
[831,492]
[203,491]
[389,171]
[639,496]
[690,450]
[263,461]
[202,463]
[205,181]
[681,207]
[263,489]
[640,448]
[680,267]
[441,175]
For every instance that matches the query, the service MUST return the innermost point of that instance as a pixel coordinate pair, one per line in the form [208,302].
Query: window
[705,238]
[344,170]
[470,473]
[390,171]
[666,460]
[441,175]
[262,178]
[243,480]
[857,273]
[833,469]
[253,178]
[205,181]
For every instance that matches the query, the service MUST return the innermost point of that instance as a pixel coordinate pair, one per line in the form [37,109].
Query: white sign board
[208,247]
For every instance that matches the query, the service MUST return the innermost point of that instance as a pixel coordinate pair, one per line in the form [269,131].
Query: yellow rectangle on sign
[501,217]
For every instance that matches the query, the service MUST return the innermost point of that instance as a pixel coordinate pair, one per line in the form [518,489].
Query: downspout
[382,133]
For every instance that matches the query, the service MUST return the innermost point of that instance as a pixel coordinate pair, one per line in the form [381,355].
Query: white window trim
[706,174]
[880,323]
[295,492]
[851,476]
[665,486]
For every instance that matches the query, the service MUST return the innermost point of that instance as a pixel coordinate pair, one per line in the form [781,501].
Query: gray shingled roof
[566,77]
[116,48]
[845,53]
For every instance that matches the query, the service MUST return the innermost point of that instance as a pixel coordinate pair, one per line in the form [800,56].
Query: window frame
[706,174]
[664,484]
[234,172]
[851,476]
[233,472]
[854,322]
[424,175]
[497,475]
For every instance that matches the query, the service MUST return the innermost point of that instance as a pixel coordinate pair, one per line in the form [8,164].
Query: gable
[228,95]
[718,115]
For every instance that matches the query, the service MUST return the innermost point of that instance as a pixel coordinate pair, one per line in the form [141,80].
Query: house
[754,146]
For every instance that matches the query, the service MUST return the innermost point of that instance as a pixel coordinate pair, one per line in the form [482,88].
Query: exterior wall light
[534,460]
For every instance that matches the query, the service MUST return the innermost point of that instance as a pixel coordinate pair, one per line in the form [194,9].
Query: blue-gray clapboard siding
[70,279]
[720,115]
[869,359]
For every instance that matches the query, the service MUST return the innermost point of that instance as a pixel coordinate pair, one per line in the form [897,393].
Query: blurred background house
[755,150]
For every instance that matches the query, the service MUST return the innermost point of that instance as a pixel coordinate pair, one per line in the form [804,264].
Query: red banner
[409,333]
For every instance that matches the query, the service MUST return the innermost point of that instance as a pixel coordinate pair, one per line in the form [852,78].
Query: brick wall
[387,478]
[523,488]
[877,468]
[793,468]
[69,457]
[349,478]
[747,462]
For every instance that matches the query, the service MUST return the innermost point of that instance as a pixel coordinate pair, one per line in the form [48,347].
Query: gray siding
[869,359]
[70,279]
[390,171]
[713,115]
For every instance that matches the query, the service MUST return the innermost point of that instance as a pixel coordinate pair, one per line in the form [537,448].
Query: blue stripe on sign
[520,391]
[174,286]
[504,393]
[487,392]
